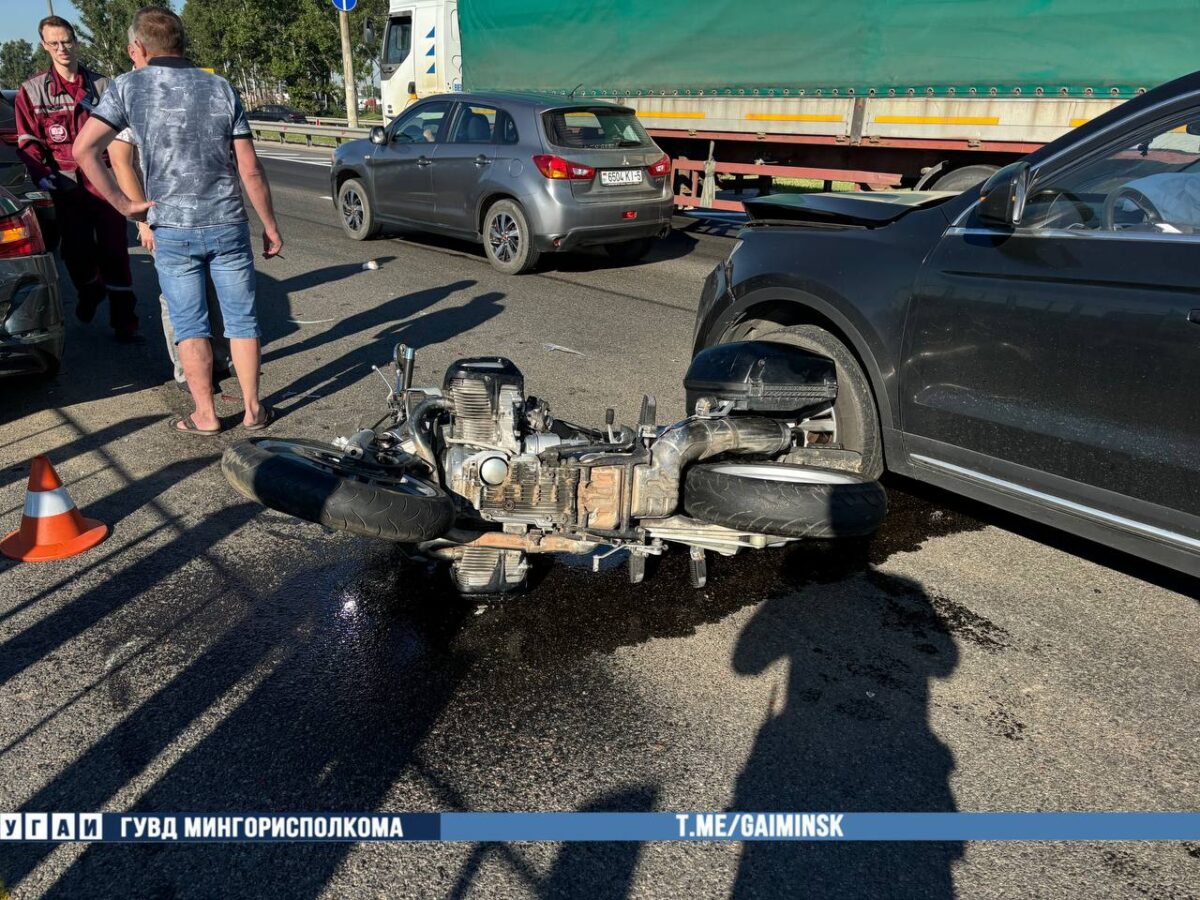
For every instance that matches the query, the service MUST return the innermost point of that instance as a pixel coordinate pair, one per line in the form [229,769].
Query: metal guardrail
[330,120]
[339,133]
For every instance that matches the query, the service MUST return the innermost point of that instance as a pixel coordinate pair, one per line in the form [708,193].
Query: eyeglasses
[60,45]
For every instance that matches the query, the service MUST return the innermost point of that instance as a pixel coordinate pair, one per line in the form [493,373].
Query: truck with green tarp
[870,92]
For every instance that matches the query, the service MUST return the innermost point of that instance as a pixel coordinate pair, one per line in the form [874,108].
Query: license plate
[621,176]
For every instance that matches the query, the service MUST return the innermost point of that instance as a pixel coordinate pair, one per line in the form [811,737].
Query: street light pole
[348,71]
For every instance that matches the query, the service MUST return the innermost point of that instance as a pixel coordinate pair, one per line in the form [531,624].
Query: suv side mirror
[1002,197]
[377,135]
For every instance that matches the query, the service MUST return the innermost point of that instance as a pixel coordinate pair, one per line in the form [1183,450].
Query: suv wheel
[356,211]
[507,239]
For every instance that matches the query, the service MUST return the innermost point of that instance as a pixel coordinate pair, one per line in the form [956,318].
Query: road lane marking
[291,157]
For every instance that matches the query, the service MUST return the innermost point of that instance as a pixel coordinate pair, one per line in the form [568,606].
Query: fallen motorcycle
[478,474]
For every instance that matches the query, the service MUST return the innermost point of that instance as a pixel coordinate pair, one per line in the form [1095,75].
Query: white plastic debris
[370,265]
[550,348]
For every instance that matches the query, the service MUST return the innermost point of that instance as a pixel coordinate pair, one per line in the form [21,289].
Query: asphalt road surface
[213,656]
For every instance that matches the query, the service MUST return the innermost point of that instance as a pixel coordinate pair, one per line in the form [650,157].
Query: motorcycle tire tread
[299,490]
[788,509]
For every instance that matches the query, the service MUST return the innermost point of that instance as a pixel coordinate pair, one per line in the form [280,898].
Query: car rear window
[595,128]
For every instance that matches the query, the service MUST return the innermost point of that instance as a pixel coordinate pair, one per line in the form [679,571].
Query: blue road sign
[345,5]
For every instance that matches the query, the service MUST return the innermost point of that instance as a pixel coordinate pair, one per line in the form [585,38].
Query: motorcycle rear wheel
[793,501]
[313,481]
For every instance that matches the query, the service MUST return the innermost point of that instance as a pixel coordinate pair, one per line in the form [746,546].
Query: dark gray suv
[523,174]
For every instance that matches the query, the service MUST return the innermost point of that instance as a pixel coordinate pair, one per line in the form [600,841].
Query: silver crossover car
[523,174]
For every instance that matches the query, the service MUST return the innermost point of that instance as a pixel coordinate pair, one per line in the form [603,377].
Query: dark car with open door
[1033,342]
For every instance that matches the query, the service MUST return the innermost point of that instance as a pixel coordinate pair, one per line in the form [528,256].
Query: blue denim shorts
[183,258]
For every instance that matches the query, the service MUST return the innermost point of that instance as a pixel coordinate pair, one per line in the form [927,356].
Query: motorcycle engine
[491,460]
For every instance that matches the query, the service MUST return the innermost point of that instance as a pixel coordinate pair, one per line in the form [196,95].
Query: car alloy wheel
[504,235]
[352,209]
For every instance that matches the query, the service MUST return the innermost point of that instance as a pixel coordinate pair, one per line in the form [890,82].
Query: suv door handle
[424,161]
[1194,317]
[481,160]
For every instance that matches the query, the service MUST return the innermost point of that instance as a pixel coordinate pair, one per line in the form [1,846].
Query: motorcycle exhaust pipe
[420,437]
[656,487]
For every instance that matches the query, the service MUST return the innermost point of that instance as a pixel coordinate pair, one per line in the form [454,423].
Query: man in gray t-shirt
[196,155]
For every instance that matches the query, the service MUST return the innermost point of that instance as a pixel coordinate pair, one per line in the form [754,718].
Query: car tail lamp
[555,168]
[662,167]
[20,235]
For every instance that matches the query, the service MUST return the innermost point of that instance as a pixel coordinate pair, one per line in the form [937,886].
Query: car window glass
[506,131]
[1151,184]
[421,124]
[475,125]
[398,42]
[597,128]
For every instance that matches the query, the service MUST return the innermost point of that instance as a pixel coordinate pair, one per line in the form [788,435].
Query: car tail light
[662,167]
[20,235]
[555,167]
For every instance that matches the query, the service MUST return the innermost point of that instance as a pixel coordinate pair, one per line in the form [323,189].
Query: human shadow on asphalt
[94,365]
[340,684]
[848,733]
[68,621]
[317,693]
[276,315]
[80,445]
[401,320]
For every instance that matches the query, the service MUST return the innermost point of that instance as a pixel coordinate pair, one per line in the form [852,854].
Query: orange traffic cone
[51,527]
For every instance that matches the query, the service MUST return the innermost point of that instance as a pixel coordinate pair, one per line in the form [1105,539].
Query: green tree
[275,50]
[104,27]
[18,61]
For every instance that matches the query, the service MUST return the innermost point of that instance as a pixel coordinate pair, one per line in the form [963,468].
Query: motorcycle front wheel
[313,481]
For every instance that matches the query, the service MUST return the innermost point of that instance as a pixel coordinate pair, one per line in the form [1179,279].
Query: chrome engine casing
[491,458]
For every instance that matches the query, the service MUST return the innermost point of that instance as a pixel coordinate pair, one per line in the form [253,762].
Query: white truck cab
[421,55]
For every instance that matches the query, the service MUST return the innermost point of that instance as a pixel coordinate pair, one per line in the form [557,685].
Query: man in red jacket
[51,108]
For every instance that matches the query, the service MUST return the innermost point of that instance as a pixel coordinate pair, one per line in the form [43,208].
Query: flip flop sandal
[266,416]
[189,426]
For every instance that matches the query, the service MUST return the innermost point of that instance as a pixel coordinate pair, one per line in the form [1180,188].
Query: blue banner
[571,826]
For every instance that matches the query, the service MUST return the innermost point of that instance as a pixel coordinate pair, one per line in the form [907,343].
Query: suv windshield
[595,128]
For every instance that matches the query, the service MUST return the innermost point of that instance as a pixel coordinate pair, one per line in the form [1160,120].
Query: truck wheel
[966,177]
[854,420]
[357,211]
[629,251]
[791,501]
[312,481]
[507,239]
